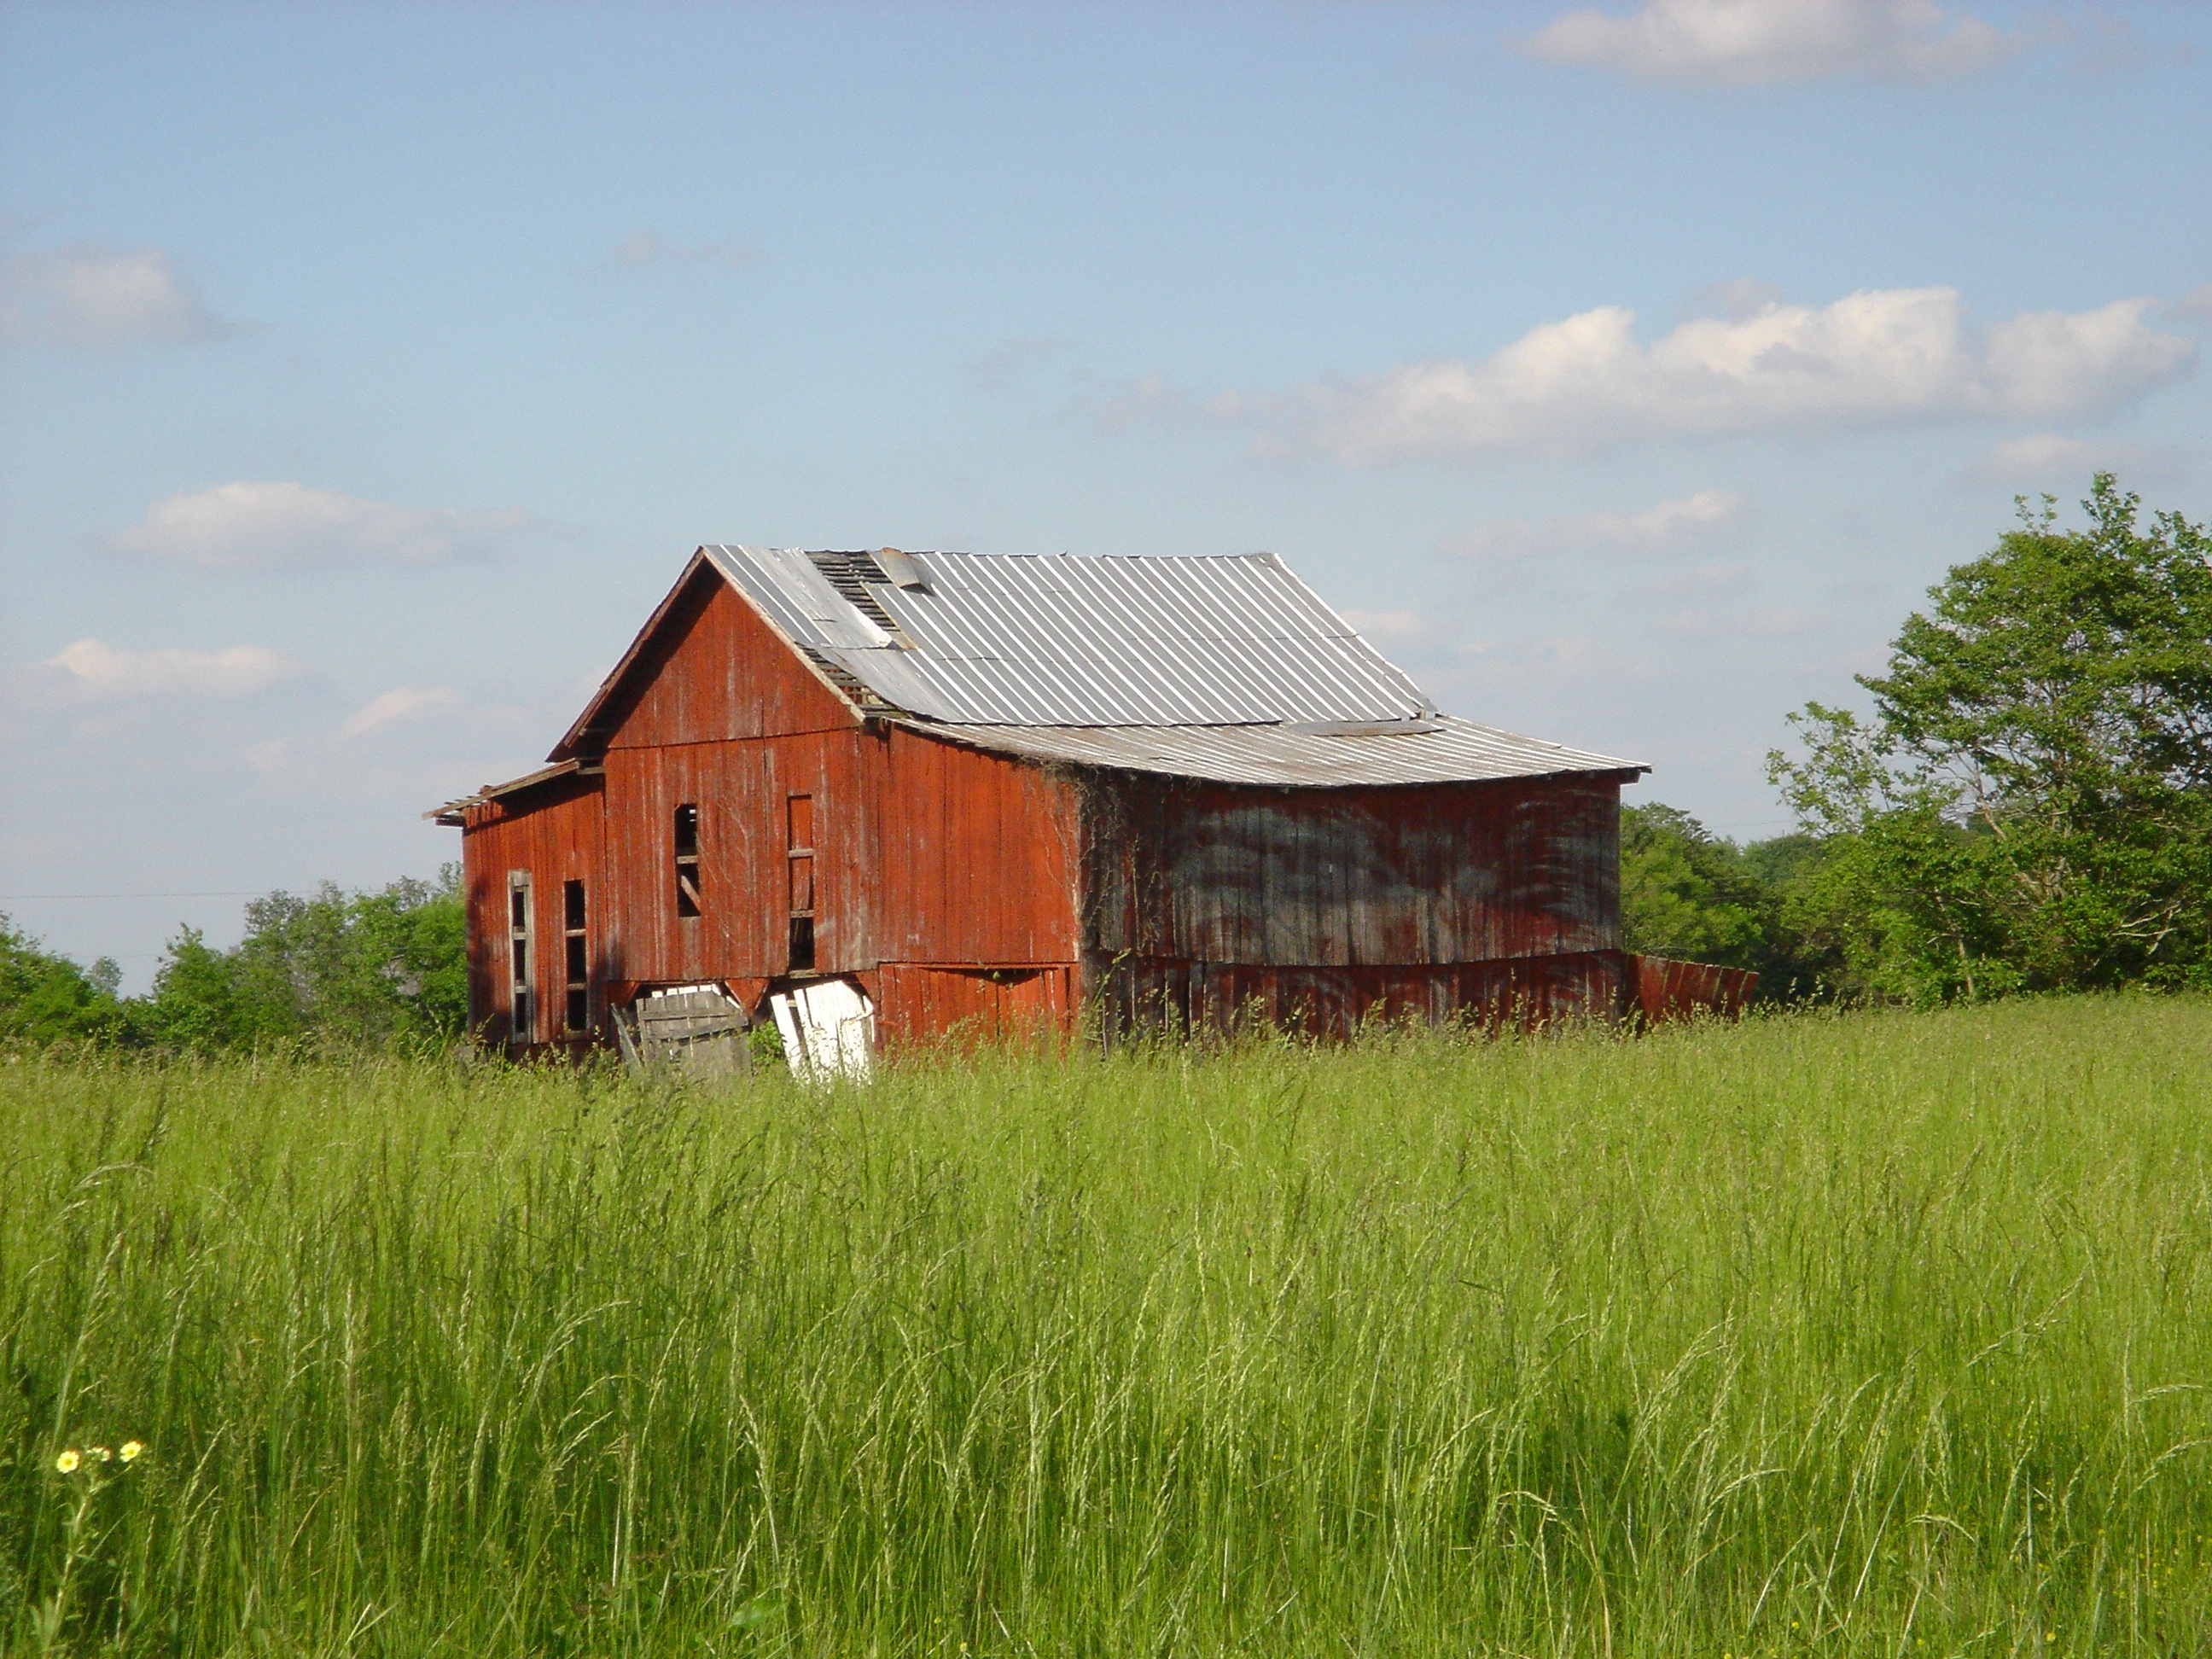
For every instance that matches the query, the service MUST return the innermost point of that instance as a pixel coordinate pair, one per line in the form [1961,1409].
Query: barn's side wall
[1325,906]
[976,879]
[943,878]
[554,834]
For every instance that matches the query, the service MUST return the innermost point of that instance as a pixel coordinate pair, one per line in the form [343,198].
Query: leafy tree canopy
[332,966]
[47,998]
[351,967]
[2030,803]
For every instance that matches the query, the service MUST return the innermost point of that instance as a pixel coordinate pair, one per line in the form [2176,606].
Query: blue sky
[367,372]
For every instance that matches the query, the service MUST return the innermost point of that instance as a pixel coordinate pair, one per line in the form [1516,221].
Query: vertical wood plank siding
[554,833]
[1335,1002]
[971,891]
[981,858]
[931,862]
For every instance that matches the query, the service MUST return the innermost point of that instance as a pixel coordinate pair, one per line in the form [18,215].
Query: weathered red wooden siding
[920,1004]
[979,857]
[1438,873]
[742,790]
[942,875]
[554,833]
[717,671]
[1320,908]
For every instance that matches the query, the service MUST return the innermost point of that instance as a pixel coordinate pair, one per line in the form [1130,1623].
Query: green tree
[47,998]
[1683,893]
[360,967]
[2030,804]
[1688,893]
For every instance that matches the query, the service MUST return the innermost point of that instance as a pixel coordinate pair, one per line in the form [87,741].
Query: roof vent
[903,569]
[850,575]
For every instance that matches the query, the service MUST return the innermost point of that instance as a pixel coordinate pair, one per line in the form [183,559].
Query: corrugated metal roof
[1438,751]
[1055,639]
[1228,668]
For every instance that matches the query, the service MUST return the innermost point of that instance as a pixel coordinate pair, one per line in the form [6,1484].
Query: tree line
[2026,806]
[357,967]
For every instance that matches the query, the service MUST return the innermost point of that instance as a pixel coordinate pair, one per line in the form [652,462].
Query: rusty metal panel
[1139,992]
[1441,874]
[1667,990]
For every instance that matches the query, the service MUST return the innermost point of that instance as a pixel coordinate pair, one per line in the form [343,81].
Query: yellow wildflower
[67,1462]
[99,1452]
[131,1449]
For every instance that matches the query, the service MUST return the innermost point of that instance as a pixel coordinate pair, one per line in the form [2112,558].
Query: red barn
[988,792]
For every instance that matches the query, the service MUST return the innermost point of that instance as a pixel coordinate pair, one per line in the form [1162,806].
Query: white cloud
[1562,657]
[2047,458]
[1389,624]
[645,247]
[1709,518]
[90,294]
[1748,42]
[402,702]
[1779,622]
[269,526]
[93,670]
[1876,357]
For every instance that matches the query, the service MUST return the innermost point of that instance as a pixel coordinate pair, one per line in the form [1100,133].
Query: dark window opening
[576,1014]
[686,860]
[799,843]
[522,1016]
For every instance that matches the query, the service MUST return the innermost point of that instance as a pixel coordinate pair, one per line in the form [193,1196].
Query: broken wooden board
[828,1030]
[694,1031]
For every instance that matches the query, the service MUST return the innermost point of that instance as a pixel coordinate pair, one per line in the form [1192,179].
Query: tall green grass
[1870,1334]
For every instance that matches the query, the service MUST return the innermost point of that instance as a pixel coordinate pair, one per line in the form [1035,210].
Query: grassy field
[1868,1335]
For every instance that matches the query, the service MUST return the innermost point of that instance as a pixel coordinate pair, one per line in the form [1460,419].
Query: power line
[27,898]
